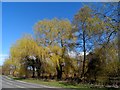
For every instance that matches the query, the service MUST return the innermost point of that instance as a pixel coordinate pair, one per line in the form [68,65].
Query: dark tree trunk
[33,76]
[59,72]
[95,76]
[84,50]
[59,68]
[38,66]
[38,74]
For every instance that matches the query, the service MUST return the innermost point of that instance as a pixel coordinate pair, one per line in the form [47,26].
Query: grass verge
[55,83]
[52,83]
[59,84]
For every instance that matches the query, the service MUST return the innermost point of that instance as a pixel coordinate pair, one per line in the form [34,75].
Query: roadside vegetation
[51,83]
[53,53]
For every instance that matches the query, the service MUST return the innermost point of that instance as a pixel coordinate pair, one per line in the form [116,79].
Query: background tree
[86,27]
[92,32]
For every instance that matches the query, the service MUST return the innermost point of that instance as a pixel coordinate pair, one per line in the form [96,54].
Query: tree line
[46,54]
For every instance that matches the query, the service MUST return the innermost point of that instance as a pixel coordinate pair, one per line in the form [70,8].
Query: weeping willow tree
[28,55]
[56,35]
[6,67]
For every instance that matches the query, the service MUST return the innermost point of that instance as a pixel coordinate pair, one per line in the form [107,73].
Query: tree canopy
[46,54]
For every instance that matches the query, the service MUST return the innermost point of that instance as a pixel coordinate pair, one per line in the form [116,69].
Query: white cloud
[73,54]
[82,53]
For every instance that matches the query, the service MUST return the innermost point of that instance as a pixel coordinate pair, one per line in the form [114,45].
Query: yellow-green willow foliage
[56,35]
[53,32]
[21,50]
[6,69]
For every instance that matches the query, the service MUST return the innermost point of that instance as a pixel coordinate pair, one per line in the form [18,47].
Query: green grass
[52,83]
[55,83]
[61,84]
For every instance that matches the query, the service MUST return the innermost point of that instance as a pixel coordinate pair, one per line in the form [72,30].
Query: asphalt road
[10,84]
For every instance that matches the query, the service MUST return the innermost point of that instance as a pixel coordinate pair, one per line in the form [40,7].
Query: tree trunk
[33,76]
[84,50]
[59,72]
[26,72]
[38,66]
[59,68]
[38,72]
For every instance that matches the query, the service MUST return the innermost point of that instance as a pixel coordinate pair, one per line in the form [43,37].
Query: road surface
[10,84]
